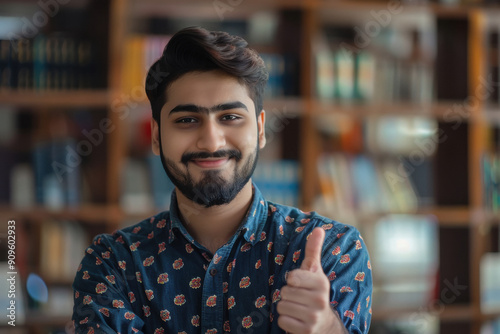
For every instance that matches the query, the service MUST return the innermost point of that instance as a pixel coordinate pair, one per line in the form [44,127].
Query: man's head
[208,122]
[198,50]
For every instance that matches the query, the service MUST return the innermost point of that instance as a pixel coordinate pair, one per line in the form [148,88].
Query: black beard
[212,189]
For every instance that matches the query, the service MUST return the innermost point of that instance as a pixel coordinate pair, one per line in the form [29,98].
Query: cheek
[172,145]
[247,141]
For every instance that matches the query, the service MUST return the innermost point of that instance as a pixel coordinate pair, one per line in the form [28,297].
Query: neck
[214,226]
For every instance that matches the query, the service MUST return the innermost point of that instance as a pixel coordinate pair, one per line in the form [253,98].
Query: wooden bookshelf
[123,16]
[90,214]
[56,99]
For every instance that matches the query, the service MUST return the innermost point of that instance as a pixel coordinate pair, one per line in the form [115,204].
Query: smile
[210,163]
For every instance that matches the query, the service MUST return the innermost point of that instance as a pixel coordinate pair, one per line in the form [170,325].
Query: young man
[223,260]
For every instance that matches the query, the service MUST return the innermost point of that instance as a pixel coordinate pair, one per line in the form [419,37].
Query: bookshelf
[463,51]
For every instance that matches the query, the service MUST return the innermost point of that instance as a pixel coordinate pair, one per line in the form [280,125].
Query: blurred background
[380,114]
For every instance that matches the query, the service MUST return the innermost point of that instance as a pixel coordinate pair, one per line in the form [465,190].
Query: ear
[155,137]
[261,125]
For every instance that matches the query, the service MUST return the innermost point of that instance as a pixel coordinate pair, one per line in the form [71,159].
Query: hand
[305,304]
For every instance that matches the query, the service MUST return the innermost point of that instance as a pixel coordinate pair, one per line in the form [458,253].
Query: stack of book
[52,62]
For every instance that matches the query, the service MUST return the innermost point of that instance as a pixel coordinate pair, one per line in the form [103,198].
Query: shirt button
[213,272]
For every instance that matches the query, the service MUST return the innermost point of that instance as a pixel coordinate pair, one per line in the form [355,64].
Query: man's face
[210,136]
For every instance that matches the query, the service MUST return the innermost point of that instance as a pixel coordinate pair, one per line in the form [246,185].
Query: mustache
[186,157]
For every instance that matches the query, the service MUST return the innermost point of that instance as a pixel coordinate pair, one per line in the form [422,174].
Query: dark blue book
[161,186]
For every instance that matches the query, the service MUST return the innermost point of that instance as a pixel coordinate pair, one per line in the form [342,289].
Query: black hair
[197,49]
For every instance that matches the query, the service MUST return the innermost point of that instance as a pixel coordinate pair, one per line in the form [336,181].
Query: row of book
[49,62]
[52,178]
[141,51]
[360,185]
[491,181]
[279,181]
[62,247]
[492,65]
[344,76]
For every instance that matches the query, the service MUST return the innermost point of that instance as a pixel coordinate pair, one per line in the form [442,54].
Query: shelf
[211,10]
[37,319]
[450,216]
[444,312]
[290,106]
[490,316]
[445,216]
[91,214]
[440,10]
[446,110]
[63,99]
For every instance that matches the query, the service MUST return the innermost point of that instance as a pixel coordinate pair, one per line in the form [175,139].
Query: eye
[186,120]
[230,117]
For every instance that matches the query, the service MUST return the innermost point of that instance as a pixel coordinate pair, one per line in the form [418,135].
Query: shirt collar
[251,226]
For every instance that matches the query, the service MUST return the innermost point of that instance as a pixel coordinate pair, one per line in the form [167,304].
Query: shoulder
[296,221]
[129,237]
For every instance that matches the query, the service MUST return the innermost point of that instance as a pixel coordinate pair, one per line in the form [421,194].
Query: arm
[102,298]
[306,300]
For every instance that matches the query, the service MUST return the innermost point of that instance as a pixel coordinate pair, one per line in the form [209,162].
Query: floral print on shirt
[153,277]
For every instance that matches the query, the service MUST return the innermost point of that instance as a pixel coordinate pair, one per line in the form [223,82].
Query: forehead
[207,88]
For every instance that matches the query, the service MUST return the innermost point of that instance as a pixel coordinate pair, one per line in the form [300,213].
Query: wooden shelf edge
[209,10]
[442,110]
[450,216]
[444,312]
[43,318]
[90,214]
[76,98]
[440,10]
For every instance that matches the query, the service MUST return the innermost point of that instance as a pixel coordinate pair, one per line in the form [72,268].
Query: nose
[212,137]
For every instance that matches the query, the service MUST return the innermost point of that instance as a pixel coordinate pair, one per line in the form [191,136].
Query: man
[223,260]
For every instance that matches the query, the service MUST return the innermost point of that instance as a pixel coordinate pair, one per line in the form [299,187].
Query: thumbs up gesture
[305,300]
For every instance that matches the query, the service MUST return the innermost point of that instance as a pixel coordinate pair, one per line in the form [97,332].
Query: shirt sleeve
[103,302]
[346,263]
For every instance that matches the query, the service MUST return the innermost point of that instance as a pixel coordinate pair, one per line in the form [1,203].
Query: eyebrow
[218,107]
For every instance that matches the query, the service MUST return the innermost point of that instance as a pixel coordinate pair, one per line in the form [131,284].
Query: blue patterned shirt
[153,277]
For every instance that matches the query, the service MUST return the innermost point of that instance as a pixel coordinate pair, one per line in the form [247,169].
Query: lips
[210,163]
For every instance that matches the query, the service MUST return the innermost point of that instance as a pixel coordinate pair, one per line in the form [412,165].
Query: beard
[213,188]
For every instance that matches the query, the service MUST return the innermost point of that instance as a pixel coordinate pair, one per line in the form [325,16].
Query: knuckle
[314,317]
[323,303]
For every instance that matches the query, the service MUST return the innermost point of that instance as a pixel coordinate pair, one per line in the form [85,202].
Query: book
[490,286]
[136,193]
[141,51]
[57,174]
[404,250]
[278,181]
[360,185]
[275,64]
[161,186]
[491,327]
[62,246]
[54,61]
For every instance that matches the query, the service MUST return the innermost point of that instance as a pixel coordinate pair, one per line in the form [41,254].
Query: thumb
[312,257]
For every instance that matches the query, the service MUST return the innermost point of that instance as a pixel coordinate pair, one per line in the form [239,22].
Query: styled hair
[197,49]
